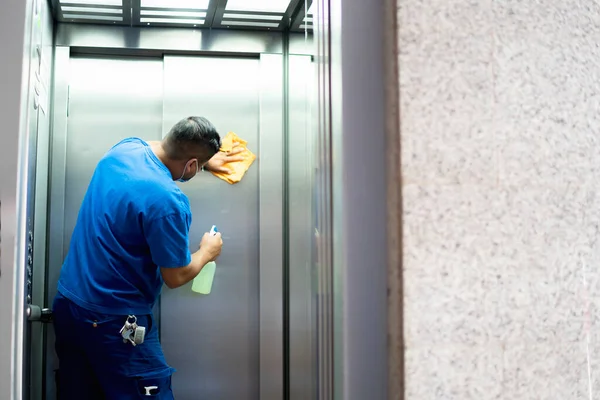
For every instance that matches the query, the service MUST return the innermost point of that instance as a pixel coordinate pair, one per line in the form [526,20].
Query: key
[128,329]
[129,325]
[127,334]
[125,327]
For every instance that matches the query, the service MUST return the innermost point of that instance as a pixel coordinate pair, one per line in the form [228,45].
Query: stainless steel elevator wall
[108,100]
[213,340]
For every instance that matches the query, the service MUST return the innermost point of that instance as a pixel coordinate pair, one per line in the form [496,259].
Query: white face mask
[181,178]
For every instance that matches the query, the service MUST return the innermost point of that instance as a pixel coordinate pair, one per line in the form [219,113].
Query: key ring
[132,317]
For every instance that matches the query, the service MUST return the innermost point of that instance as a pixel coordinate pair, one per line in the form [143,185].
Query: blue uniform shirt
[133,220]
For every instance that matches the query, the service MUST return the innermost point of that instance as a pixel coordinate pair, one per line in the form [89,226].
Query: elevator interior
[103,70]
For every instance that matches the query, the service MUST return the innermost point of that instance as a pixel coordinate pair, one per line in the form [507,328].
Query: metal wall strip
[271,229]
[324,221]
[56,214]
[300,154]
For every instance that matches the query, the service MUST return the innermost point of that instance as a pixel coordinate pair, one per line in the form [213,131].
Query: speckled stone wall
[500,136]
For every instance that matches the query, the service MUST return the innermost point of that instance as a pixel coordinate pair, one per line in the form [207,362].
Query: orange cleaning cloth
[237,168]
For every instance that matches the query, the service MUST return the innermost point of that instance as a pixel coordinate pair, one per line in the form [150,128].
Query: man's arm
[209,251]
[167,238]
[176,277]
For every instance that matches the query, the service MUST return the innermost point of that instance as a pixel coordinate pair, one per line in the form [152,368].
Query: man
[131,237]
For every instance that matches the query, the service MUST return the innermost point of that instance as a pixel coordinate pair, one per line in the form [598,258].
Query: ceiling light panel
[252,16]
[173,4]
[188,14]
[95,2]
[171,21]
[92,17]
[69,9]
[278,6]
[251,23]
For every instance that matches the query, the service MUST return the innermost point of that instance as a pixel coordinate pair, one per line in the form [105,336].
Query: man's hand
[211,246]
[217,163]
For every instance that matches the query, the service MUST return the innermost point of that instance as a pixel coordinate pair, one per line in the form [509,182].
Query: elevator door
[213,340]
[108,100]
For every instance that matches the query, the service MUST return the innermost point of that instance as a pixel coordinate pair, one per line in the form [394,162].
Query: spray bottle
[203,281]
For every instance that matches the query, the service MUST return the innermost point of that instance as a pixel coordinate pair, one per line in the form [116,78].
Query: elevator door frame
[270,177]
[360,333]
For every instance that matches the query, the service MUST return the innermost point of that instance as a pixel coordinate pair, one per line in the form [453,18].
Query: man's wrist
[203,258]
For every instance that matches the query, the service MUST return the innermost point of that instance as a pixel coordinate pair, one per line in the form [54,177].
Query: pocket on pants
[156,387]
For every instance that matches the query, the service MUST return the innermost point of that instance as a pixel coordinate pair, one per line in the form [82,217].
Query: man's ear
[193,165]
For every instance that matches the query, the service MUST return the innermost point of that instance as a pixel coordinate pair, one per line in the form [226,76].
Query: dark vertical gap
[290,14]
[55,9]
[218,15]
[210,14]
[286,219]
[329,339]
[135,9]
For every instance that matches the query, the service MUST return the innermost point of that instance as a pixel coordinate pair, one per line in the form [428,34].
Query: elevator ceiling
[277,15]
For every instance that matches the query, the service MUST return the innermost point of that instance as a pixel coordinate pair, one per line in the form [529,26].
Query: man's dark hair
[192,137]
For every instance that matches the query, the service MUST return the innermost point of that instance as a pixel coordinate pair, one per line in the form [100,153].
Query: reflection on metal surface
[110,100]
[221,359]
